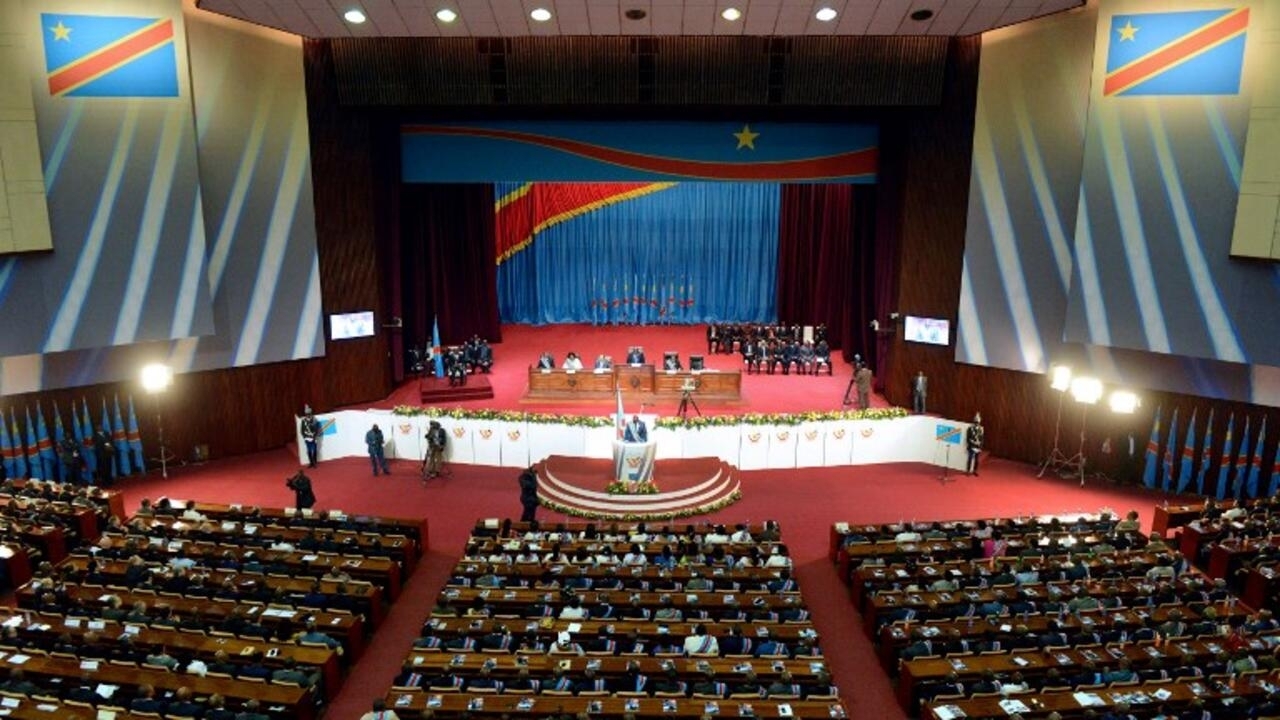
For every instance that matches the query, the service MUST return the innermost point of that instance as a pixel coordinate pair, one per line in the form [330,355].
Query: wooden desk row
[414,528]
[962,529]
[543,666]
[633,381]
[588,629]
[323,660]
[1173,695]
[710,600]
[473,705]
[350,629]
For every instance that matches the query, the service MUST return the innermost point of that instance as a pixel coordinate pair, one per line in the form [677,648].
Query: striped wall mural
[184,229]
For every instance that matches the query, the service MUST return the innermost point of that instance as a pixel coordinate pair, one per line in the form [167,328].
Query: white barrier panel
[548,440]
[753,450]
[486,438]
[459,448]
[599,442]
[515,444]
[837,445]
[782,446]
[722,441]
[407,434]
[669,442]
[810,438]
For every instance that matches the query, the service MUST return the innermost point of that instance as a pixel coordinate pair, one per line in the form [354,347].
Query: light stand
[686,400]
[1059,380]
[157,378]
[1086,391]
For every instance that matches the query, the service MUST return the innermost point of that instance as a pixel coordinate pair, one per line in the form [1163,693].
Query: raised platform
[637,383]
[692,486]
[438,390]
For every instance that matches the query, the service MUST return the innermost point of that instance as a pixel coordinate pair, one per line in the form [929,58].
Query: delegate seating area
[190,607]
[39,521]
[1076,616]
[1238,542]
[621,620]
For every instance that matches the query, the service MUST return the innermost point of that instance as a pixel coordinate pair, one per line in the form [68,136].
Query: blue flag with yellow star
[1176,53]
[108,56]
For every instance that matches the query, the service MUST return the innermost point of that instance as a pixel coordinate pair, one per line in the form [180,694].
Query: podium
[633,462]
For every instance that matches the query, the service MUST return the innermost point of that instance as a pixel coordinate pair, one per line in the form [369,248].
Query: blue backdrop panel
[692,253]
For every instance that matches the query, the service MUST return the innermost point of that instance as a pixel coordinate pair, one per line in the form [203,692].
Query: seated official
[604,362]
[546,361]
[671,362]
[635,431]
[749,357]
[822,356]
[790,357]
[572,362]
[484,357]
[635,355]
[807,359]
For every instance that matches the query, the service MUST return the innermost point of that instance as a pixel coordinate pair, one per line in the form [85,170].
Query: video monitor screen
[345,326]
[933,331]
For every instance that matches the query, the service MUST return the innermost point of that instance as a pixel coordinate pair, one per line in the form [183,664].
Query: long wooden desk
[454,704]
[711,600]
[542,666]
[298,701]
[649,631]
[1180,695]
[144,637]
[635,381]
[414,528]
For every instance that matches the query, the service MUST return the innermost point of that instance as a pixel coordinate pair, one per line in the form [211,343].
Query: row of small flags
[1239,474]
[37,455]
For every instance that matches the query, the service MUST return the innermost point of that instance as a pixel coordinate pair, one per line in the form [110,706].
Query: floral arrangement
[618,487]
[700,422]
[586,421]
[674,515]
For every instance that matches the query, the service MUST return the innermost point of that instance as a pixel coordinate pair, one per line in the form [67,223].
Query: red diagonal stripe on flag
[1173,53]
[109,58]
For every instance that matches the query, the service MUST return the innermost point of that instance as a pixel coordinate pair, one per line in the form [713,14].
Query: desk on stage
[634,381]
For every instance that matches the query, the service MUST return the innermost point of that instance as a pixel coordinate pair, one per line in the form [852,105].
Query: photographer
[303,496]
[437,440]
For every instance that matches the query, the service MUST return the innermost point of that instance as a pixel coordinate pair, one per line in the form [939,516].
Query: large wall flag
[1176,53]
[1152,460]
[106,56]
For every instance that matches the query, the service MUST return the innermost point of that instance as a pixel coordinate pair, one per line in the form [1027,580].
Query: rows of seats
[620,620]
[1109,619]
[40,520]
[207,611]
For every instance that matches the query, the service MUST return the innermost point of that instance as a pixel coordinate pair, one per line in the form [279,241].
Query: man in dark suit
[528,495]
[636,431]
[975,437]
[310,428]
[546,361]
[635,355]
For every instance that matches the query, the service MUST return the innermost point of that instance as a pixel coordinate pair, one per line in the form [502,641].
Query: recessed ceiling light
[636,14]
[540,14]
[921,15]
[731,14]
[826,14]
[445,15]
[354,16]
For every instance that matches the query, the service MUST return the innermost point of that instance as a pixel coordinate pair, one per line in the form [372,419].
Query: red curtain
[447,264]
[827,263]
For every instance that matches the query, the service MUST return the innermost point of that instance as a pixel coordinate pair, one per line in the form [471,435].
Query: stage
[686,487]
[522,344]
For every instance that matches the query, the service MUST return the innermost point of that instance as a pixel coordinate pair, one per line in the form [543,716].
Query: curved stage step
[576,486]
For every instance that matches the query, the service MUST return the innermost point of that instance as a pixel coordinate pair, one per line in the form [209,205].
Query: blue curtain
[692,253]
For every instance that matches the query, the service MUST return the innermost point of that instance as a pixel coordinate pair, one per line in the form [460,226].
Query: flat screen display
[344,326]
[933,331]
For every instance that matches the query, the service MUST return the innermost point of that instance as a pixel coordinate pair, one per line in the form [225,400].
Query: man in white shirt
[572,362]
[380,712]
[741,534]
[718,536]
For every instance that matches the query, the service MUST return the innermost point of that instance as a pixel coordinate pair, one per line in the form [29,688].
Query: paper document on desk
[1089,699]
[949,712]
[1012,706]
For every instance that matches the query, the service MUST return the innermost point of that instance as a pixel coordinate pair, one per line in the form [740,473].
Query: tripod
[848,392]
[433,465]
[946,463]
[686,400]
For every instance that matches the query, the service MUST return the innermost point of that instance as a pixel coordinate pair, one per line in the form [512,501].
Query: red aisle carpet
[522,344]
[805,502]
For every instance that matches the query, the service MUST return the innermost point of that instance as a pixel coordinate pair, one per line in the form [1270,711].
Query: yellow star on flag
[746,138]
[1128,32]
[61,32]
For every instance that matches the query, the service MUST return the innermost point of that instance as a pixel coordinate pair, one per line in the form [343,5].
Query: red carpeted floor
[522,344]
[806,503]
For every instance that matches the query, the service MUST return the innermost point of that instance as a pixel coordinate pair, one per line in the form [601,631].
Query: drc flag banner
[1176,53]
[109,57]
[947,434]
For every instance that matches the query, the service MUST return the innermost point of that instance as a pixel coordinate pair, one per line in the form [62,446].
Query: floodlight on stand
[1060,378]
[1086,390]
[1123,402]
[156,378]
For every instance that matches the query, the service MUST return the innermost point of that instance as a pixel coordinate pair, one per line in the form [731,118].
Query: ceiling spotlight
[731,13]
[540,14]
[826,14]
[156,377]
[1086,390]
[445,15]
[1124,402]
[921,15]
[354,16]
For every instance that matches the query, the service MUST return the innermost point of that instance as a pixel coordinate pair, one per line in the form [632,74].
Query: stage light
[731,13]
[826,14]
[1124,402]
[445,15]
[540,14]
[1086,390]
[1060,378]
[354,16]
[156,377]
